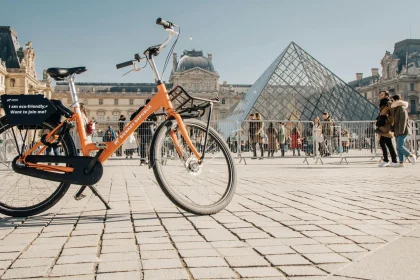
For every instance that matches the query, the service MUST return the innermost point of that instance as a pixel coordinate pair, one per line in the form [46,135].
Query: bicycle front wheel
[201,189]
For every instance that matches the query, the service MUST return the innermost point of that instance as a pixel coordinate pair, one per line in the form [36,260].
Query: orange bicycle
[198,177]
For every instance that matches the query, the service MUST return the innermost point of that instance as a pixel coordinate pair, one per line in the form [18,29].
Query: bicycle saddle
[60,74]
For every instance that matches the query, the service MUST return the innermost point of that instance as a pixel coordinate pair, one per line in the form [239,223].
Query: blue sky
[244,36]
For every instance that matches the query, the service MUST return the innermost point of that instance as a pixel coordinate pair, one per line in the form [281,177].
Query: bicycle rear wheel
[200,189]
[22,195]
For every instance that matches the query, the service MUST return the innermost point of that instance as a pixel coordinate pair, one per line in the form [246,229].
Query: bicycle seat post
[73,91]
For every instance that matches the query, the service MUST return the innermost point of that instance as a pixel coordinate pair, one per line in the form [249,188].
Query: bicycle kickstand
[79,195]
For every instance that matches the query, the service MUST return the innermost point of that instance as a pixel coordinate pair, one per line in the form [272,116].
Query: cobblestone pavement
[287,221]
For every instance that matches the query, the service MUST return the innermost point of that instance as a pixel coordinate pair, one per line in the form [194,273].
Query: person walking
[327,131]
[121,124]
[145,132]
[383,129]
[273,144]
[296,141]
[401,129]
[258,137]
[282,138]
[319,138]
[251,132]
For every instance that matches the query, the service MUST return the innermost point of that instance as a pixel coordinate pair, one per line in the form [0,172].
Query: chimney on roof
[210,56]
[375,71]
[174,61]
[359,76]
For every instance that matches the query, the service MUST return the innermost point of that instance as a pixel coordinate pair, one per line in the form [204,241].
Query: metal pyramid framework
[297,87]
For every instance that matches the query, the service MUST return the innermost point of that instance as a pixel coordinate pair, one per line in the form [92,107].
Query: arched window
[412,87]
[12,82]
[223,101]
[388,72]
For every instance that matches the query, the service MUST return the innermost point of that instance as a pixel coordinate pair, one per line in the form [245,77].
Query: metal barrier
[257,139]
[275,138]
[358,139]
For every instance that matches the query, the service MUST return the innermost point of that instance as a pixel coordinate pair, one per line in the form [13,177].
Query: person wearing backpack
[109,135]
[383,129]
[401,129]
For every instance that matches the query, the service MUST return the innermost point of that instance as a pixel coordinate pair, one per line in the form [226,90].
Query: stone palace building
[17,67]
[400,74]
[193,71]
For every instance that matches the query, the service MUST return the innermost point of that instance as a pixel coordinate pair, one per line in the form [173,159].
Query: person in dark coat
[401,129]
[383,124]
[145,132]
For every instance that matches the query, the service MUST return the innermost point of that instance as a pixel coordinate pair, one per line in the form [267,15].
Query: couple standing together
[393,122]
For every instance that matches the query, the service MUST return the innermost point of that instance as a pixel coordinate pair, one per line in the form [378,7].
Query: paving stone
[115,257]
[326,258]
[78,259]
[205,262]
[312,249]
[302,270]
[119,266]
[25,272]
[161,263]
[275,250]
[167,274]
[237,251]
[32,262]
[259,272]
[4,264]
[346,248]
[118,249]
[199,253]
[213,273]
[79,251]
[131,275]
[291,259]
[246,261]
[72,269]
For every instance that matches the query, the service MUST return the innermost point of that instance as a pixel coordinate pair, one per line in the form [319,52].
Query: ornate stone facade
[400,73]
[17,67]
[194,72]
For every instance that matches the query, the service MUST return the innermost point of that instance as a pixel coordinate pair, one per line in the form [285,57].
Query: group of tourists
[276,138]
[132,144]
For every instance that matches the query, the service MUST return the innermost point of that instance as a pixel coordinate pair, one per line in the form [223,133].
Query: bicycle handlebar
[125,64]
[164,23]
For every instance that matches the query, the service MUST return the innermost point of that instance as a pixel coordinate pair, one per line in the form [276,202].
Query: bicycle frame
[160,100]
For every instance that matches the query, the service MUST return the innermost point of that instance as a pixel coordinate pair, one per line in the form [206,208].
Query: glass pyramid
[297,87]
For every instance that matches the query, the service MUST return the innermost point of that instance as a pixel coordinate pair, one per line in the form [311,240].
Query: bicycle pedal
[79,196]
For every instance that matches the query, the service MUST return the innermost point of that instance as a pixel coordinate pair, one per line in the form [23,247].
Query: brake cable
[171,51]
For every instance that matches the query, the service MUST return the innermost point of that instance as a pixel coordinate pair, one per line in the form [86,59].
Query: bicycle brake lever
[135,69]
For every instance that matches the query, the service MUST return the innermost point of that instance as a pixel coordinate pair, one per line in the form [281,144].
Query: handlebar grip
[125,64]
[164,23]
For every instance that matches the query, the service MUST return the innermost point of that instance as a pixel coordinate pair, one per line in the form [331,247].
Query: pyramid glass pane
[298,87]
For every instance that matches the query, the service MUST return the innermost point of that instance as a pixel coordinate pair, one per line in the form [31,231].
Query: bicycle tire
[156,164]
[60,191]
